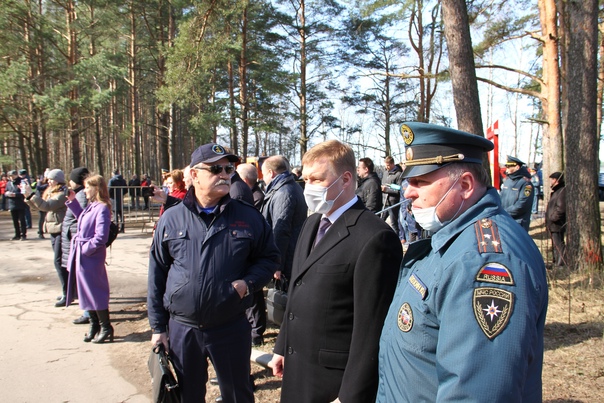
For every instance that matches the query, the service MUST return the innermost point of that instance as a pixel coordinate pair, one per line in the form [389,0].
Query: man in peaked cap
[210,253]
[471,301]
[517,192]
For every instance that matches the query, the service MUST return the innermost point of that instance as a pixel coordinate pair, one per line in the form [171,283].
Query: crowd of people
[361,324]
[466,305]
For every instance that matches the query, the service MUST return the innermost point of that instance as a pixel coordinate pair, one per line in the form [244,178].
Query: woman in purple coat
[86,262]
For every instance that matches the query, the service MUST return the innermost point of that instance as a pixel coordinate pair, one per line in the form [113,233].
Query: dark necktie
[323,227]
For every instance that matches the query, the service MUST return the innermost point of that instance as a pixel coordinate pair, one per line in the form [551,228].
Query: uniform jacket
[86,262]
[338,296]
[370,192]
[54,207]
[192,265]
[18,201]
[555,216]
[285,210]
[70,225]
[517,197]
[466,322]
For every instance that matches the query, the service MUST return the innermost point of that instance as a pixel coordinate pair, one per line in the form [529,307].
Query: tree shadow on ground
[557,335]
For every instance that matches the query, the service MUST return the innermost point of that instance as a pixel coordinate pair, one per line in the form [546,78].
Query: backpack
[113,231]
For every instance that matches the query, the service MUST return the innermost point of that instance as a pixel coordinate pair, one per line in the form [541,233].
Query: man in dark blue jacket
[209,255]
[285,210]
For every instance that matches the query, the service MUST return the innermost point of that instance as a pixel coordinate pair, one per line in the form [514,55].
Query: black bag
[165,385]
[276,299]
[113,231]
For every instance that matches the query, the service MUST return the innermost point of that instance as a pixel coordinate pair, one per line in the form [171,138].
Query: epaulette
[487,236]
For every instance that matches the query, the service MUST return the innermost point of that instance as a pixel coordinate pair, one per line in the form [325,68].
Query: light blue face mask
[427,217]
[315,196]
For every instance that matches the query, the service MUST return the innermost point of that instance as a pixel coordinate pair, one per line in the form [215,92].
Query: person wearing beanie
[52,201]
[70,224]
[555,217]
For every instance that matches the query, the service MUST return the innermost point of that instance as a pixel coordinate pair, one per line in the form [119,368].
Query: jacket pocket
[333,358]
[240,242]
[176,240]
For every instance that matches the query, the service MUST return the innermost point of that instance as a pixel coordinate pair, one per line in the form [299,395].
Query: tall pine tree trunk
[581,145]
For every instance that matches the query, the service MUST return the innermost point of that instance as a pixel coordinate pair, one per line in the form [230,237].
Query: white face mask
[427,218]
[315,196]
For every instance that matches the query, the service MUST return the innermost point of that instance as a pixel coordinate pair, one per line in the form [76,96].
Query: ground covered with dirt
[574,351]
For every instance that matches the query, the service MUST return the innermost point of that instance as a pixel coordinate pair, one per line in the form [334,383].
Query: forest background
[137,85]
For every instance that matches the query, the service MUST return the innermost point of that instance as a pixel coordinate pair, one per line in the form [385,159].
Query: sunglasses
[217,169]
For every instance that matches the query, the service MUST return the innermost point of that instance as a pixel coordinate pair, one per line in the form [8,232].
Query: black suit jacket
[338,298]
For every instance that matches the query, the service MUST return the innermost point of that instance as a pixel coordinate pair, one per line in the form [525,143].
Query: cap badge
[409,154]
[218,149]
[407,134]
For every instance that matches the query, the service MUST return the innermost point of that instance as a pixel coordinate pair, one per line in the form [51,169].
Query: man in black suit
[343,278]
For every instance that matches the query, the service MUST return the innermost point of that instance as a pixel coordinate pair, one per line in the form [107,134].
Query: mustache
[223,182]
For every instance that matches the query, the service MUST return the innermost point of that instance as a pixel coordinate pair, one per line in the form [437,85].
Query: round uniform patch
[527,190]
[405,317]
[218,149]
[407,134]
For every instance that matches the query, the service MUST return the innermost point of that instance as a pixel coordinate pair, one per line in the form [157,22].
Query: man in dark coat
[370,186]
[117,188]
[240,190]
[517,192]
[249,174]
[343,278]
[134,185]
[391,187]
[285,210]
[16,205]
[555,217]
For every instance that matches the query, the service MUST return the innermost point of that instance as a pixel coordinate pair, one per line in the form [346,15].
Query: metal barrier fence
[130,208]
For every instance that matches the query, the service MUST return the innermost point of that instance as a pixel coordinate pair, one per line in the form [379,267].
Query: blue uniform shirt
[466,322]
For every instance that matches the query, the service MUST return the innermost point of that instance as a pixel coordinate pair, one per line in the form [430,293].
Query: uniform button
[298,283]
[291,316]
[180,233]
[200,326]
[290,350]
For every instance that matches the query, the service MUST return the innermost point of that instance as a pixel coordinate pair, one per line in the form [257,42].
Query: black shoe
[62,302]
[15,238]
[24,238]
[218,399]
[257,341]
[82,320]
[213,381]
[41,236]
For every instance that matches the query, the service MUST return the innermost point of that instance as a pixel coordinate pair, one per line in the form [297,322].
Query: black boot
[94,327]
[106,328]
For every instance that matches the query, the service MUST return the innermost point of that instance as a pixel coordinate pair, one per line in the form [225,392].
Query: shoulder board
[487,236]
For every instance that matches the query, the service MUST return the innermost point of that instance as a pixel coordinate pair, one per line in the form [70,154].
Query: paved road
[43,357]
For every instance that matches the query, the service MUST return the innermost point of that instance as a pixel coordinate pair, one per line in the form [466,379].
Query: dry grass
[573,368]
